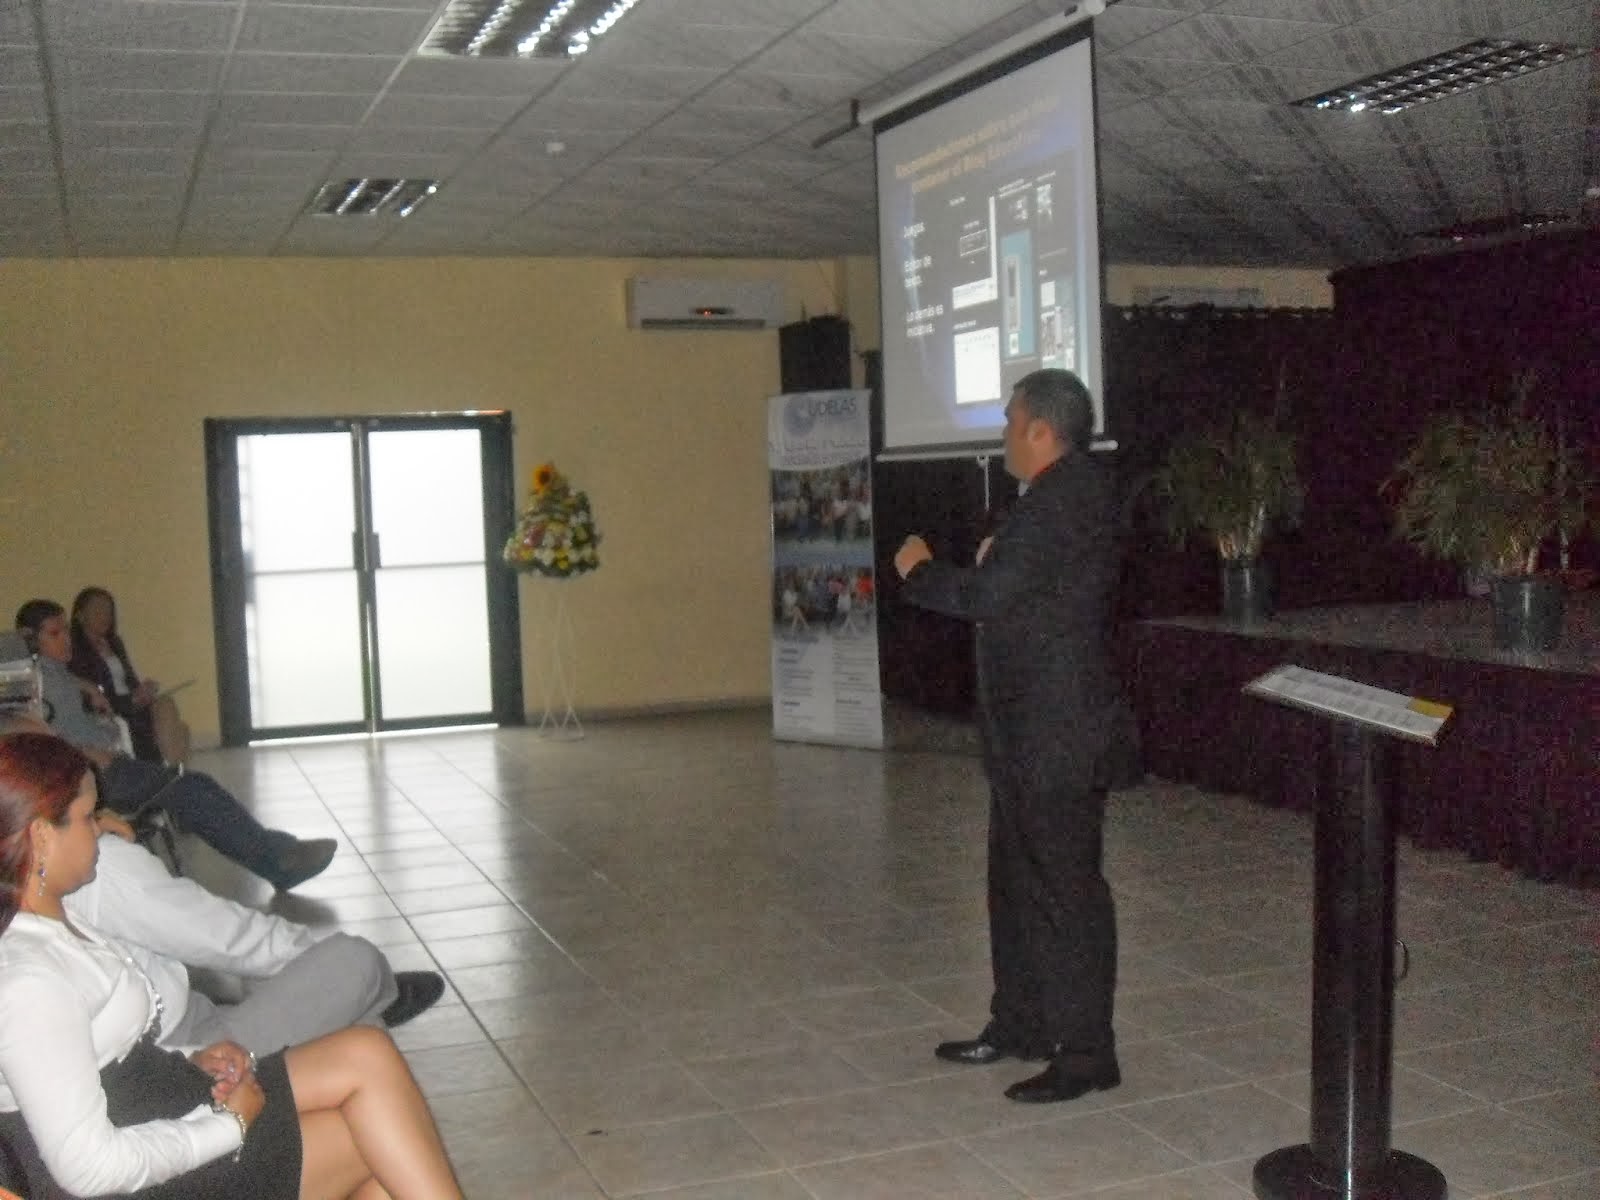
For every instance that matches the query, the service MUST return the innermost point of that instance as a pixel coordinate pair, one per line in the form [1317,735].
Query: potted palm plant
[1232,482]
[1486,490]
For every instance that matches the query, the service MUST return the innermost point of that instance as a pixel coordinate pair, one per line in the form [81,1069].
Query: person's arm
[1010,563]
[93,696]
[22,724]
[134,899]
[47,1060]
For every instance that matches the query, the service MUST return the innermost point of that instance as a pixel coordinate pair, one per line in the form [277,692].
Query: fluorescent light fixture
[523,28]
[371,197]
[1475,65]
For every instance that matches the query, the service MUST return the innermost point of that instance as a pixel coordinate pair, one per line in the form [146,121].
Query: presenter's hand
[912,553]
[983,549]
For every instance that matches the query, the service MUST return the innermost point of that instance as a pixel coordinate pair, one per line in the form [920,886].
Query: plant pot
[1246,592]
[1527,612]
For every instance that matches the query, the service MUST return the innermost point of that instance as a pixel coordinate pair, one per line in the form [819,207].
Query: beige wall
[1280,288]
[107,368]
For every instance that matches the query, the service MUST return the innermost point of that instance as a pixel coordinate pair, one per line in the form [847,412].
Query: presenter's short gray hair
[1059,399]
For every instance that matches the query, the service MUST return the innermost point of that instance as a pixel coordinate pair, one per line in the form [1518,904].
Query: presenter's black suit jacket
[1051,709]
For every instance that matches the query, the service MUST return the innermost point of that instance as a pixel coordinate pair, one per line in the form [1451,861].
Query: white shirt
[68,1006]
[165,922]
[119,677]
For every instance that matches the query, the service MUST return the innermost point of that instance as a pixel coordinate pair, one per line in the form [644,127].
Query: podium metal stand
[1348,1156]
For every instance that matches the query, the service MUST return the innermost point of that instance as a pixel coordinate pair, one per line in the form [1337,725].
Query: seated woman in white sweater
[90,1106]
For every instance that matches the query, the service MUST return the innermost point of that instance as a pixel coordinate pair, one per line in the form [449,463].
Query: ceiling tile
[932,21]
[136,70]
[139,25]
[311,30]
[19,68]
[248,135]
[445,112]
[441,76]
[305,108]
[322,73]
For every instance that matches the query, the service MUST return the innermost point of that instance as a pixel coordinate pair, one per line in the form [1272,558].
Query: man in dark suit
[1050,718]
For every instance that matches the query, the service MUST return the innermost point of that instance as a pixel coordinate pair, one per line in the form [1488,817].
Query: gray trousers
[342,980]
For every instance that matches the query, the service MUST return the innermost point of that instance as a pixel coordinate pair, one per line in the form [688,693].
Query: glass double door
[357,583]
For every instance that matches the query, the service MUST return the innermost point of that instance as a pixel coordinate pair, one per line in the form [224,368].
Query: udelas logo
[802,412]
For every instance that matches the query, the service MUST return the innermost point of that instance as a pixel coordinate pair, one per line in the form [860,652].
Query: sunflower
[543,476]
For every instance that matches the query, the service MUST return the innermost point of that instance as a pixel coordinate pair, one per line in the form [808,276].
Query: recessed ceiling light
[370,197]
[1474,65]
[523,28]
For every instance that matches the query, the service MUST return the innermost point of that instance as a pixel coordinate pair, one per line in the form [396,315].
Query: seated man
[306,982]
[199,803]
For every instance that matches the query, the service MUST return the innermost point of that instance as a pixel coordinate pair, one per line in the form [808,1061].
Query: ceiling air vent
[371,197]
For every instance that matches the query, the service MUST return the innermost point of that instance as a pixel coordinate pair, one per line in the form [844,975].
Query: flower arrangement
[555,535]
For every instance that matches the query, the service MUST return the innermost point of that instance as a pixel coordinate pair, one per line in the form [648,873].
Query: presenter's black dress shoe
[986,1048]
[975,1053]
[1066,1078]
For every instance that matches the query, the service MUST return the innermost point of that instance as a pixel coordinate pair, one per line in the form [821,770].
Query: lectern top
[1360,703]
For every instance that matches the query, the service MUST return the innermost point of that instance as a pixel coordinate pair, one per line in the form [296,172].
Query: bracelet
[244,1126]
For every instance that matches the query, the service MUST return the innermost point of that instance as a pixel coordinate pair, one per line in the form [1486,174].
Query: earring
[41,878]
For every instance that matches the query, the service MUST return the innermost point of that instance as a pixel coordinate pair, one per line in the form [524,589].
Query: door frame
[228,568]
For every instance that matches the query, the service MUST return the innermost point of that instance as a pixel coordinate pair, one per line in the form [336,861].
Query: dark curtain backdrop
[1404,340]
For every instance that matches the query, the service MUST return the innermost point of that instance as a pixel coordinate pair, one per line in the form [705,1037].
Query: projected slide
[989,245]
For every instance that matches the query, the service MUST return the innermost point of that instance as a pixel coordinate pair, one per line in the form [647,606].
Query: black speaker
[814,355]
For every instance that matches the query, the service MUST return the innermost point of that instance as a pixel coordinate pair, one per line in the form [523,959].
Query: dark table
[1516,779]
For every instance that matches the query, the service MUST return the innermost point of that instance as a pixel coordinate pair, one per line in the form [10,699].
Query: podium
[1348,1156]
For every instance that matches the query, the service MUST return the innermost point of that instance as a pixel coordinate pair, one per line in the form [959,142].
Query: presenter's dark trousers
[1052,926]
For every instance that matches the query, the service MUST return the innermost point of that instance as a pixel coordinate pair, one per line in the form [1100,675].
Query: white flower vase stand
[555,661]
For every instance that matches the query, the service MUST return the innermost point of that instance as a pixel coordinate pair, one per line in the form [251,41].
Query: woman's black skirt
[152,1084]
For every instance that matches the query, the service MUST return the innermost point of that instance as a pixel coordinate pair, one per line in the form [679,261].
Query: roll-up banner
[824,599]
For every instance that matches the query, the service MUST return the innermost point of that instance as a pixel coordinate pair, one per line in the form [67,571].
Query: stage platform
[1515,779]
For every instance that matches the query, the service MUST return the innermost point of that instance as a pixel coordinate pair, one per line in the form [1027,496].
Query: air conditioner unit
[705,303]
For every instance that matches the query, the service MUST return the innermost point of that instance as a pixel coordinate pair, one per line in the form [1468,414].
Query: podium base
[1294,1174]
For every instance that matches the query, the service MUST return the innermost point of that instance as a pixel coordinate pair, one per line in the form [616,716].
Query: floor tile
[840,1126]
[1219,1125]
[746,1080]
[1072,1155]
[1486,1151]
[672,1154]
[943,1172]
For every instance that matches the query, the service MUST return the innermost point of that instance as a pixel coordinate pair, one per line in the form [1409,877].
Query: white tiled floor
[692,963]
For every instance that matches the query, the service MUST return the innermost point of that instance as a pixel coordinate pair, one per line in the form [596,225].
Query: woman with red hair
[90,1106]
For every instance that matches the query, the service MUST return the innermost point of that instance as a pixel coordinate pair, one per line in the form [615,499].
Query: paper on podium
[1389,712]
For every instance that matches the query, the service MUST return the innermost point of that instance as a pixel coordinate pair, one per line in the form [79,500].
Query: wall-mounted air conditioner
[704,303]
